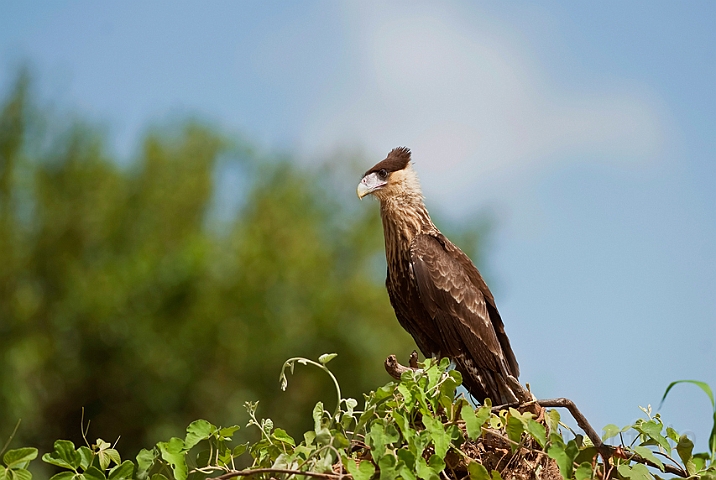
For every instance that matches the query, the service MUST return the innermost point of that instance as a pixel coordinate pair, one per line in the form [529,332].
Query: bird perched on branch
[437,293]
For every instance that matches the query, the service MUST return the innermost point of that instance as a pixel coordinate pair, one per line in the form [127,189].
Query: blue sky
[587,129]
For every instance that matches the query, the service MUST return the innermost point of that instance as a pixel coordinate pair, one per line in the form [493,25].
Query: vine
[415,428]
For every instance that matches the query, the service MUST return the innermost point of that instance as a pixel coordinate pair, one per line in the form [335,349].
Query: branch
[635,457]
[578,417]
[395,369]
[255,471]
[606,451]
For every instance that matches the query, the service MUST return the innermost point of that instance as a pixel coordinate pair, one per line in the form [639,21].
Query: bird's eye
[383,173]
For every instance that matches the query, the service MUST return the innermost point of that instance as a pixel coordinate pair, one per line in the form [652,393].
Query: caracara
[437,293]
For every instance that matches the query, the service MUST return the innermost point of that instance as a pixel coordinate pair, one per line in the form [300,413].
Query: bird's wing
[455,302]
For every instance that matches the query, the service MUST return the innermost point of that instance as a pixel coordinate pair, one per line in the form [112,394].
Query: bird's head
[391,177]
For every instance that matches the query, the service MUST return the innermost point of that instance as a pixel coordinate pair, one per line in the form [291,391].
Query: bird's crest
[397,159]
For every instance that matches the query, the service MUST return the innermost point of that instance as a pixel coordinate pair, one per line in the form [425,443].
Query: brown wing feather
[458,300]
[477,280]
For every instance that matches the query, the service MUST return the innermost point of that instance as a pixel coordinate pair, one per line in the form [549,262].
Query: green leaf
[473,421]
[409,473]
[63,475]
[404,390]
[424,470]
[406,463]
[477,471]
[122,471]
[64,455]
[240,449]
[441,439]
[317,416]
[699,461]
[447,391]
[223,459]
[323,436]
[22,474]
[363,471]
[281,435]
[87,457]
[652,429]
[284,460]
[456,376]
[340,441]
[649,455]
[610,431]
[563,454]
[702,385]
[108,455]
[391,433]
[19,457]
[514,428]
[404,426]
[712,439]
[672,434]
[309,437]
[93,473]
[495,422]
[387,465]
[636,472]
[587,454]
[684,448]
[327,357]
[583,472]
[173,453]
[496,475]
[14,474]
[159,476]
[436,463]
[228,432]
[537,431]
[434,376]
[483,413]
[552,420]
[197,431]
[145,460]
[379,437]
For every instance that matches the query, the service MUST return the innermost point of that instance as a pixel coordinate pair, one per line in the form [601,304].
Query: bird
[437,293]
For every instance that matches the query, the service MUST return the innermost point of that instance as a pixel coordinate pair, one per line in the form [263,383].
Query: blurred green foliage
[122,291]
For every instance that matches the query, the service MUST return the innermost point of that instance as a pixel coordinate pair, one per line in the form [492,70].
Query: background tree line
[126,289]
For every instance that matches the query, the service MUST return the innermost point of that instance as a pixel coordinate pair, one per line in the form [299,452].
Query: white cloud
[464,95]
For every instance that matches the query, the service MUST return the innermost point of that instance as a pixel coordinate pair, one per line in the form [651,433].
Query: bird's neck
[404,217]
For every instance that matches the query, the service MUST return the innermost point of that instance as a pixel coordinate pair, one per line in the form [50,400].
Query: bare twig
[12,435]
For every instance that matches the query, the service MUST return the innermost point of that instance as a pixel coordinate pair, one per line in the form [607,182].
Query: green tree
[119,294]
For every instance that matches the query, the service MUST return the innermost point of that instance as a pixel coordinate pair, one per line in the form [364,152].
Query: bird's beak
[362,190]
[369,184]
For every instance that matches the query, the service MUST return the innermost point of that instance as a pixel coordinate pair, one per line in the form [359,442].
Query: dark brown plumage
[437,293]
